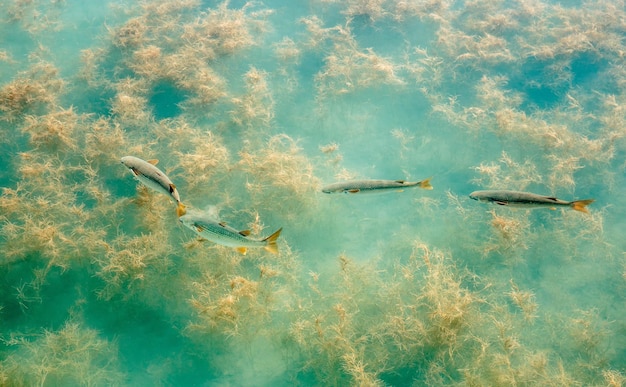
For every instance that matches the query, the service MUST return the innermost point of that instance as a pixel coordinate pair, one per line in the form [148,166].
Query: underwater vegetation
[70,355]
[252,108]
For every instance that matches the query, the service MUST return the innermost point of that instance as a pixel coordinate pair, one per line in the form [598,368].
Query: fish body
[527,199]
[218,232]
[152,177]
[373,186]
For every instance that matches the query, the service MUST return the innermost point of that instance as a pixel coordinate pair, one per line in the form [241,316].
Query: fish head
[329,190]
[476,195]
[128,162]
[190,223]
[186,220]
[191,219]
[338,190]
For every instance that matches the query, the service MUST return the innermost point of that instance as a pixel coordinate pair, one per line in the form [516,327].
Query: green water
[252,108]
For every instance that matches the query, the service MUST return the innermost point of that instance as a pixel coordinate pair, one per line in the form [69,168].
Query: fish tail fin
[181,209]
[581,205]
[271,244]
[425,184]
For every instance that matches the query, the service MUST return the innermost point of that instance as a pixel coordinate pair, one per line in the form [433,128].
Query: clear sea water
[252,107]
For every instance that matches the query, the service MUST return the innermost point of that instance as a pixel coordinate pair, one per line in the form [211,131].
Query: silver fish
[218,232]
[527,199]
[152,177]
[372,186]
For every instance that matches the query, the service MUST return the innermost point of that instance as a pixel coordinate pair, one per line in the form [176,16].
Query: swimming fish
[152,177]
[527,199]
[218,232]
[372,186]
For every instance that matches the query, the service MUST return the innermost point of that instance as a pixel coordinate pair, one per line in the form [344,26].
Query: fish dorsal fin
[400,181]
[223,224]
[244,232]
[242,250]
[354,190]
[153,161]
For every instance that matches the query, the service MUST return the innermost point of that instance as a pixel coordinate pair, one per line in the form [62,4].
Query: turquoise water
[252,108]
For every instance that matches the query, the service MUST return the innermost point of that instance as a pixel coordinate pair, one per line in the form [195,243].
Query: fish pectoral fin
[242,250]
[153,161]
[244,232]
[172,188]
[553,208]
[400,181]
[223,224]
[552,198]
[199,228]
[354,190]
[135,172]
[500,203]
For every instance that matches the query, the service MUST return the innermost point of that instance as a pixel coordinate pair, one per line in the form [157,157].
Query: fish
[527,199]
[152,177]
[373,186]
[210,228]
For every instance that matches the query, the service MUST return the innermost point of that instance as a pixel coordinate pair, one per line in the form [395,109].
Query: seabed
[252,107]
